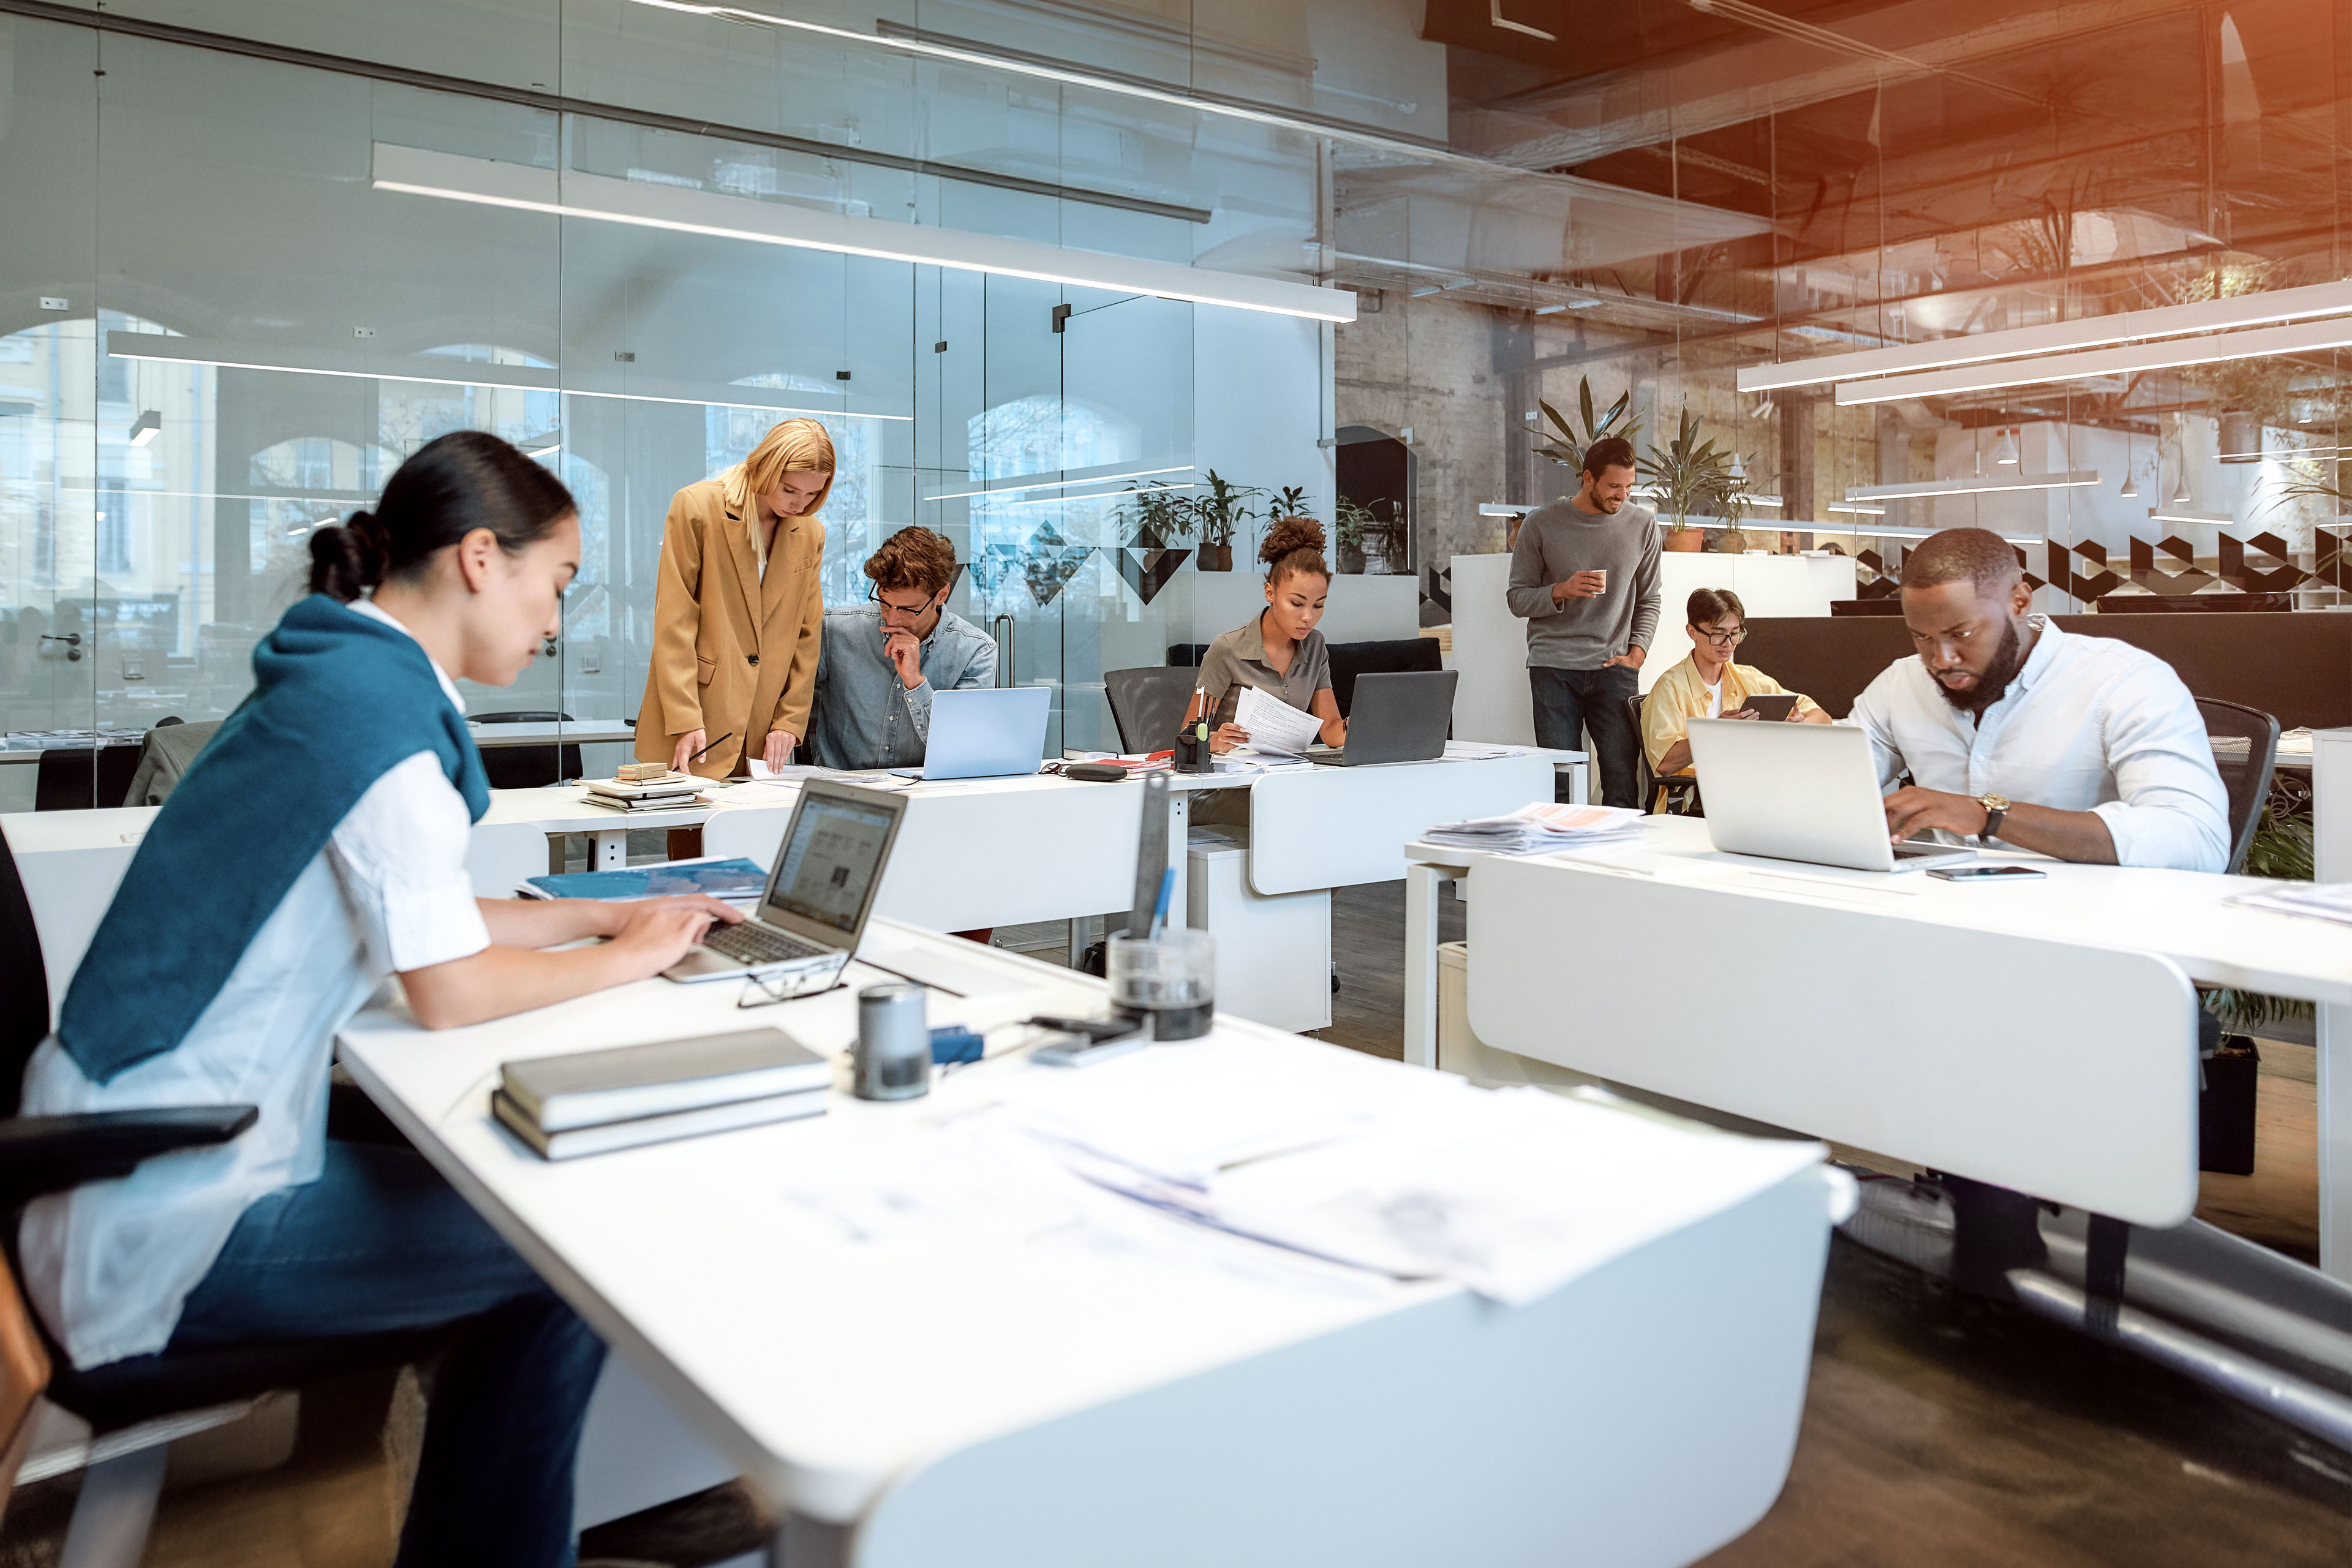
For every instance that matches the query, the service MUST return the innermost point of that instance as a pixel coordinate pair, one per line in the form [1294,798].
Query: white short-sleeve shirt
[110,1263]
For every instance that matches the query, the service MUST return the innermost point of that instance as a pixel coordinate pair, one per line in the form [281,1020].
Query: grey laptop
[1395,716]
[983,733]
[1800,792]
[819,893]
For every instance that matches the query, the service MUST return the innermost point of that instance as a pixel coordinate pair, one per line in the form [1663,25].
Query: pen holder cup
[1172,982]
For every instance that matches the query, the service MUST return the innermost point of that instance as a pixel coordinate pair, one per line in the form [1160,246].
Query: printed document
[1274,725]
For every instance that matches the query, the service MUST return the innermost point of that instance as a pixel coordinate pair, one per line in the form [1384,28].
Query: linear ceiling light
[2299,337]
[572,193]
[1029,482]
[1882,531]
[212,358]
[2092,331]
[1971,486]
[2182,514]
[1851,506]
[146,428]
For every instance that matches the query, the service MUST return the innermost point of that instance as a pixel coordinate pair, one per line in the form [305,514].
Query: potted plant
[1355,520]
[1225,508]
[1688,475]
[1565,443]
[1161,514]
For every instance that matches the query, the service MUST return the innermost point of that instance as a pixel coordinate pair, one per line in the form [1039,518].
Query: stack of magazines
[592,1101]
[656,794]
[1541,827]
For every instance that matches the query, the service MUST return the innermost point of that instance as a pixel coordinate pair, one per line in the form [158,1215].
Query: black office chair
[1659,797]
[2245,747]
[1147,704]
[527,767]
[85,777]
[1187,654]
[1350,659]
[42,1154]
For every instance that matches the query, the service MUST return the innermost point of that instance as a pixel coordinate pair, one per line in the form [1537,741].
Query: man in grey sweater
[1584,572]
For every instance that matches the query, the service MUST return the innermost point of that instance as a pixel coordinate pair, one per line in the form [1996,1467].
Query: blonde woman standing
[738,610]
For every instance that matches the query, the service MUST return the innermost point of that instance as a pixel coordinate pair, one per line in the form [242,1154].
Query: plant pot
[1351,558]
[1215,557]
[1686,540]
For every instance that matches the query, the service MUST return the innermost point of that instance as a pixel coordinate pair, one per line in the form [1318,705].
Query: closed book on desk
[587,1088]
[639,1131]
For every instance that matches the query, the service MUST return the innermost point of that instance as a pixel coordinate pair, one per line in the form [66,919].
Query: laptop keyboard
[756,944]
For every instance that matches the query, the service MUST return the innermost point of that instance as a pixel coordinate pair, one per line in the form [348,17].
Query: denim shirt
[865,716]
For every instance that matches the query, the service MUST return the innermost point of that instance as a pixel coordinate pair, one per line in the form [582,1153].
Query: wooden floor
[1939,1431]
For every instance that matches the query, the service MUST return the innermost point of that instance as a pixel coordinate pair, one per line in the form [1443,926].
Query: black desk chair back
[1147,704]
[42,1154]
[1658,797]
[85,777]
[527,767]
[2246,750]
[1350,659]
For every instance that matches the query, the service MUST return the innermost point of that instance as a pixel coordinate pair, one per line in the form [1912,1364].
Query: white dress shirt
[110,1263]
[2090,724]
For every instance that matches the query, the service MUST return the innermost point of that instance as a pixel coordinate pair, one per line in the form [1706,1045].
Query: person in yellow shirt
[1708,685]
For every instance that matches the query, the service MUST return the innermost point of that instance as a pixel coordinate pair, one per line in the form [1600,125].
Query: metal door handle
[1003,628]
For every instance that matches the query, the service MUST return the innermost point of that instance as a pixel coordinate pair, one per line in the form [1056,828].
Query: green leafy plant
[1355,520]
[2282,848]
[1565,444]
[1160,511]
[1688,475]
[1225,508]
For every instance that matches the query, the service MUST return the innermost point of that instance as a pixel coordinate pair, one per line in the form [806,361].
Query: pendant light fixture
[2130,490]
[2004,451]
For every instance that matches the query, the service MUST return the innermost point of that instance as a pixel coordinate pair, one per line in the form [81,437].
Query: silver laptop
[1800,792]
[819,893]
[985,732]
[1394,716]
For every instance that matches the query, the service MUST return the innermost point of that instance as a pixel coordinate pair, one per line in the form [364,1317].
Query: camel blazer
[731,651]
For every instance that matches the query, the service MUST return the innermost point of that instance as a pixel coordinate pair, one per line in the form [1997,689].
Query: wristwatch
[1996,807]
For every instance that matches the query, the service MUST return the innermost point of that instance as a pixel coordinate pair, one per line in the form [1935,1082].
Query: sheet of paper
[1274,725]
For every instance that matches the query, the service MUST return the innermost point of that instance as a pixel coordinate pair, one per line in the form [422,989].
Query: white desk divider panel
[2331,812]
[1490,649]
[2059,1068]
[984,852]
[71,862]
[1335,828]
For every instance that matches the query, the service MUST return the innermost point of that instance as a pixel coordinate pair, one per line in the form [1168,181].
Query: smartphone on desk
[1981,873]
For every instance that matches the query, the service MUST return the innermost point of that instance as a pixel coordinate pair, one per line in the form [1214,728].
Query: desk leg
[1579,792]
[1081,928]
[1179,819]
[609,850]
[2336,1140]
[1423,886]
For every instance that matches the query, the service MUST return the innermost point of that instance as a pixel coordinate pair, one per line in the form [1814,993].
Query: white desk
[953,1399]
[510,842]
[71,862]
[2079,1078]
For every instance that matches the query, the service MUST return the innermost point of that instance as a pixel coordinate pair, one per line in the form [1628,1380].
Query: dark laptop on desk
[819,894]
[1396,716]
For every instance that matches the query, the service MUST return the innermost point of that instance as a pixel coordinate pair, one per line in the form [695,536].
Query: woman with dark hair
[319,844]
[1278,651]
[1708,685]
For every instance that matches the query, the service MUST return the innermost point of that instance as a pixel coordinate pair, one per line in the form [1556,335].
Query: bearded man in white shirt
[2081,748]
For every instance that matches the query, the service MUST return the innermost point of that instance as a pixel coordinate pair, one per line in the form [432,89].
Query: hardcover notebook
[643,1129]
[592,1088]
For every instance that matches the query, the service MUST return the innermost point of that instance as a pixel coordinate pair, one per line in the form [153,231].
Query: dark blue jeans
[1570,701]
[378,1244]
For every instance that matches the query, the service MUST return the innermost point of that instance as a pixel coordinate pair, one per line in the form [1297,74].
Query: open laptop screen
[831,860]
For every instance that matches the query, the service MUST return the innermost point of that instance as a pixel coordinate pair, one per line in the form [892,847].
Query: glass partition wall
[216,334]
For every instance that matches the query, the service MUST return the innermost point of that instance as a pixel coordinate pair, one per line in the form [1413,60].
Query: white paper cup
[1602,572]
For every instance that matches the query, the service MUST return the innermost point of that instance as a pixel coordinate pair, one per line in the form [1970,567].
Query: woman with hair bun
[315,847]
[1279,651]
[738,610]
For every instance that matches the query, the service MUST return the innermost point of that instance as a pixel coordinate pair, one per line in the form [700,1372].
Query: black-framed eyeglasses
[874,596]
[1724,639]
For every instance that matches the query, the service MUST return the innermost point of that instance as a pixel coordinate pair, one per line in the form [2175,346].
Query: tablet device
[1776,706]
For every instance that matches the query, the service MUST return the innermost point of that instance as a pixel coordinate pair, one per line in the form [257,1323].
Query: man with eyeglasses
[881,661]
[1584,576]
[1709,684]
[2012,729]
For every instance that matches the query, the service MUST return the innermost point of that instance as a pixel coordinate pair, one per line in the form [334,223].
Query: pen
[713,747]
[1160,905]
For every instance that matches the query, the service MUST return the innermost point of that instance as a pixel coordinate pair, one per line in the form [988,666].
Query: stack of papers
[1275,728]
[721,877]
[2326,901]
[1541,828]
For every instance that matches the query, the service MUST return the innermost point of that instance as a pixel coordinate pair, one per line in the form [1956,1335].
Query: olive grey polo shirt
[1238,658]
